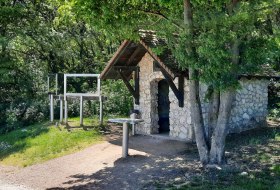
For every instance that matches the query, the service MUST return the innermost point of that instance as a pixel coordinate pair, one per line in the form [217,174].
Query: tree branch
[159,14]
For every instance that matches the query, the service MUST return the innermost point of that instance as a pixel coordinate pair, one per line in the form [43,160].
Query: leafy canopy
[255,24]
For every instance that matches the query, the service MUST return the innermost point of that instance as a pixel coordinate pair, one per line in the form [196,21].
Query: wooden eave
[156,58]
[127,57]
[114,59]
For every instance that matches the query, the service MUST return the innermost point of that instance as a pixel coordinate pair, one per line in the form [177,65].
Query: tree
[215,40]
[34,41]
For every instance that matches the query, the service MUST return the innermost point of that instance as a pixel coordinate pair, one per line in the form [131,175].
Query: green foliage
[274,99]
[119,101]
[254,25]
[276,169]
[12,120]
[41,37]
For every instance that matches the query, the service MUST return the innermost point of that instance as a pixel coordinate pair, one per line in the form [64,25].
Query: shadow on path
[166,161]
[134,172]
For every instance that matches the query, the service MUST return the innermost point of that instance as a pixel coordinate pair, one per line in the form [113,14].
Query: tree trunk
[226,99]
[220,106]
[213,112]
[220,132]
[196,118]
[195,104]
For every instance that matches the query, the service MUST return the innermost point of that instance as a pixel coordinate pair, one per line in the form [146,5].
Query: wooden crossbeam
[115,58]
[157,59]
[179,92]
[134,54]
[134,92]
[125,68]
[137,85]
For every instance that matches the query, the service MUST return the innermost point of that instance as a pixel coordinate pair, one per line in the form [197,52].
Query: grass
[252,182]
[42,142]
[253,164]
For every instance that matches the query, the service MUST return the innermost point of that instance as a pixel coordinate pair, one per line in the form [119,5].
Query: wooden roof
[130,54]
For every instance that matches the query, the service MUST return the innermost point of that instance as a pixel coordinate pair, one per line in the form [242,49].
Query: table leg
[125,140]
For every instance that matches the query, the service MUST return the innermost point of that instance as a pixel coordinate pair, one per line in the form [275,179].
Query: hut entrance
[163,106]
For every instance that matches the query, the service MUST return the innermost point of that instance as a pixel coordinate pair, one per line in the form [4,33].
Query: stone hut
[161,92]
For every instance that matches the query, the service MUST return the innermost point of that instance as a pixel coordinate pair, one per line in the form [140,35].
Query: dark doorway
[163,106]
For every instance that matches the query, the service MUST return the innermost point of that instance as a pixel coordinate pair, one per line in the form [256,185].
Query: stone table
[125,121]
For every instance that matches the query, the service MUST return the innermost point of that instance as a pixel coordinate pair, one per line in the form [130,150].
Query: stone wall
[180,123]
[249,108]
[147,99]
[180,118]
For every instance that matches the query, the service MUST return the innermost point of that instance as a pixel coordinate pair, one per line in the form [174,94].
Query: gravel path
[100,166]
[6,186]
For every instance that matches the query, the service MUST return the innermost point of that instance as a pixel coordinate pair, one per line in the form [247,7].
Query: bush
[23,114]
[274,99]
[12,120]
[36,111]
[119,100]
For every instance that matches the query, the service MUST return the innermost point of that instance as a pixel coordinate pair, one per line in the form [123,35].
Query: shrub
[274,99]
[12,120]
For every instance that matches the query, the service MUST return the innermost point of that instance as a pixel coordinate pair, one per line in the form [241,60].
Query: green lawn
[42,142]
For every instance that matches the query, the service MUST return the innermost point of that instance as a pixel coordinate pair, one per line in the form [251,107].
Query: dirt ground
[101,166]
[153,163]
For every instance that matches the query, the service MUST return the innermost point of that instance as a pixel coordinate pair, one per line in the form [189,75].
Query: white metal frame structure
[82,96]
[66,95]
[52,95]
[56,82]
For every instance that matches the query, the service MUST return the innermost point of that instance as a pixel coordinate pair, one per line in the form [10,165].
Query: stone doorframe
[154,78]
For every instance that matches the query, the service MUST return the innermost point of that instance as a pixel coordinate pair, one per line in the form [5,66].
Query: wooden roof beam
[179,92]
[134,92]
[155,57]
[115,58]
[125,68]
[134,54]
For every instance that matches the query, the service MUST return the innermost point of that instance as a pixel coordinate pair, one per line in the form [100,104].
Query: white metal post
[98,86]
[65,86]
[101,111]
[66,113]
[81,111]
[56,83]
[51,107]
[125,140]
[61,110]
[48,84]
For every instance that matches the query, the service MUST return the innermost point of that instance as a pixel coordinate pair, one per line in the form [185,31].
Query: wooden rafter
[125,68]
[156,58]
[115,58]
[179,92]
[137,85]
[134,54]
[134,92]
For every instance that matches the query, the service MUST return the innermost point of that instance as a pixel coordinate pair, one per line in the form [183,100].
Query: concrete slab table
[125,121]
